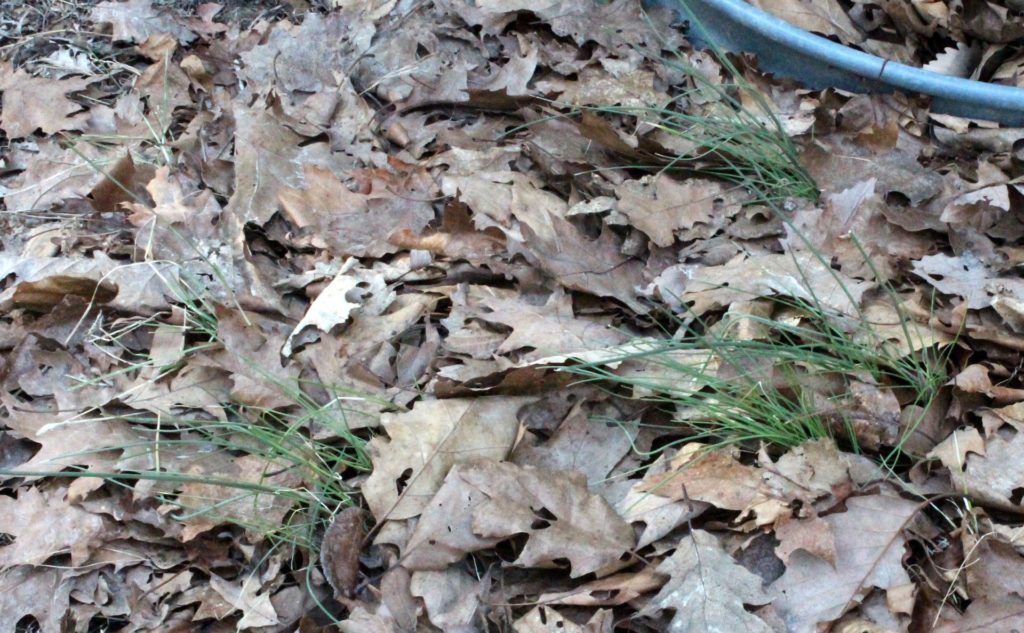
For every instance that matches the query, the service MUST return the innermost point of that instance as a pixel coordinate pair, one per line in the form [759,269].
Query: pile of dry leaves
[284,302]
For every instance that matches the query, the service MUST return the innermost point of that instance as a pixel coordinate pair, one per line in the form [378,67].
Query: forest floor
[437,315]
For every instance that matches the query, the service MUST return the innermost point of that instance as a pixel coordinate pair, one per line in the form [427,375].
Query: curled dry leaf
[339,551]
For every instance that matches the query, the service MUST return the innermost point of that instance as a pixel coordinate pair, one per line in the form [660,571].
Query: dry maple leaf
[427,441]
[707,589]
[868,553]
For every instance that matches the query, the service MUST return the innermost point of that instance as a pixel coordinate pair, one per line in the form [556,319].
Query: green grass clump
[303,476]
[788,387]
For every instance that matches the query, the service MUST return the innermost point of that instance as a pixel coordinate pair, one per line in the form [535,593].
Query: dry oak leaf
[269,159]
[483,503]
[31,103]
[869,547]
[43,523]
[349,290]
[427,441]
[223,503]
[136,20]
[800,276]
[41,592]
[708,589]
[245,596]
[817,473]
[660,205]
[964,276]
[555,508]
[356,224]
[451,598]
[994,478]
[713,476]
[536,225]
[53,174]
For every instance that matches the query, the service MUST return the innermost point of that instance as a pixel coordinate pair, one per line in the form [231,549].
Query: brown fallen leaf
[482,503]
[451,597]
[546,237]
[811,535]
[609,592]
[427,441]
[339,551]
[994,478]
[210,504]
[660,206]
[708,590]
[580,443]
[544,619]
[869,546]
[800,276]
[985,615]
[40,592]
[246,595]
[713,476]
[358,224]
[68,528]
[826,17]
[46,293]
[31,103]
[351,289]
[136,20]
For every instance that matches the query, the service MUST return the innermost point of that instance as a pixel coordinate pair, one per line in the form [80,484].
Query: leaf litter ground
[451,316]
